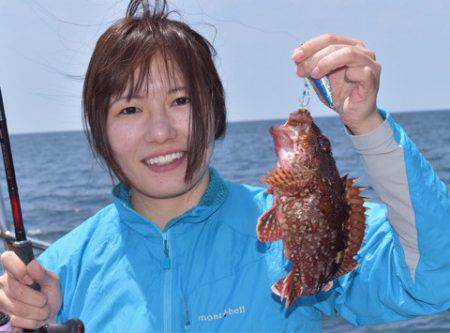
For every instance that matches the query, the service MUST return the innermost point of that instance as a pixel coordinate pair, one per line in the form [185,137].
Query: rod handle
[70,326]
[24,251]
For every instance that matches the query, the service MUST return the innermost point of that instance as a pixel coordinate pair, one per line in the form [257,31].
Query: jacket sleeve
[405,261]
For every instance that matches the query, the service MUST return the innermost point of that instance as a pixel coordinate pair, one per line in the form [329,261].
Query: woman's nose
[159,128]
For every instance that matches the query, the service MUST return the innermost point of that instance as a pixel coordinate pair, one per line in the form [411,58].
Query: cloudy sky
[46,45]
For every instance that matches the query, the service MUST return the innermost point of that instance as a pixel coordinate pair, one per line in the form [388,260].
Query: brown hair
[129,45]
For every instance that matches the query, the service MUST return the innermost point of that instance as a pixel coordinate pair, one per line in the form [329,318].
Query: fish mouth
[274,130]
[284,145]
[281,137]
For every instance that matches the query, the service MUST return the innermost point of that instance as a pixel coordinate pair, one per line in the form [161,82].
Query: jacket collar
[212,199]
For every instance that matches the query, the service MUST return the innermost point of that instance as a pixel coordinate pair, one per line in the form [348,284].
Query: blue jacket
[207,271]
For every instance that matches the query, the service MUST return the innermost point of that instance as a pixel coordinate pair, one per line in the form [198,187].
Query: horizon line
[331,115]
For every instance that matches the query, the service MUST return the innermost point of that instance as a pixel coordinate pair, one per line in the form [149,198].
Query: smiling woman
[148,135]
[120,65]
[152,95]
[177,248]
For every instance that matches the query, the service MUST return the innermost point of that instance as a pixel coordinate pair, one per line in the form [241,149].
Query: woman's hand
[354,76]
[28,308]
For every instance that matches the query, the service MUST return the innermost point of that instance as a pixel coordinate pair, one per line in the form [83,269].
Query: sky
[46,46]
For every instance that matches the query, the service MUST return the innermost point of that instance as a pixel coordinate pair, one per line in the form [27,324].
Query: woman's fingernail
[298,54]
[315,72]
[27,280]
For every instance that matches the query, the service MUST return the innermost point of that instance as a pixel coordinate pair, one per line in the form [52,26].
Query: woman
[177,249]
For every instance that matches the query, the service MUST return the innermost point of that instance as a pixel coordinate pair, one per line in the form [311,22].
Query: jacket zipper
[167,285]
[187,321]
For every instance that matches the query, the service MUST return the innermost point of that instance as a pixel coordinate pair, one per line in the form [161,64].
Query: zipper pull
[166,262]
[187,321]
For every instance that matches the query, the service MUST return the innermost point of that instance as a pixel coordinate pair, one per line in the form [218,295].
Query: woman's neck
[161,211]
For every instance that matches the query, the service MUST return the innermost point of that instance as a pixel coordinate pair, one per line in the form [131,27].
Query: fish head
[299,142]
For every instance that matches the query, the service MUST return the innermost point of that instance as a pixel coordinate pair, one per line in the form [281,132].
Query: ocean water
[61,184]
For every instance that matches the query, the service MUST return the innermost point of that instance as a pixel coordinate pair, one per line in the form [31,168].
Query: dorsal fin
[354,227]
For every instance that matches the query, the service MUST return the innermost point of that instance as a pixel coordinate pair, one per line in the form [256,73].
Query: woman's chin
[162,191]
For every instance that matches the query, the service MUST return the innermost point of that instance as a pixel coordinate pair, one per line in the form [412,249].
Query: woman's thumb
[39,274]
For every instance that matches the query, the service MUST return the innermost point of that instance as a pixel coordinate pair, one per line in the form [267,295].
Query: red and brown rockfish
[319,215]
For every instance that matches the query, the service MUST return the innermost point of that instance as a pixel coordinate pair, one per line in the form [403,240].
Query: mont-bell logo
[228,312]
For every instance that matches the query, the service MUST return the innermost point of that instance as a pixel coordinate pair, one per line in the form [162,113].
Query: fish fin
[354,227]
[328,286]
[268,229]
[289,288]
[292,288]
[287,180]
[277,288]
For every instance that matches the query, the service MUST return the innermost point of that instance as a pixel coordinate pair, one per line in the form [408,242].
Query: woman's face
[148,136]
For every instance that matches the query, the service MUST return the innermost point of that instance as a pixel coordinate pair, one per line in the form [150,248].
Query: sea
[61,183]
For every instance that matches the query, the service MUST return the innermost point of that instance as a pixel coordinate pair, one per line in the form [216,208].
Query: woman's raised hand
[353,73]
[28,308]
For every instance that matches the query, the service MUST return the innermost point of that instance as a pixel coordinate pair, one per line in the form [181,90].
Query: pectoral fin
[268,229]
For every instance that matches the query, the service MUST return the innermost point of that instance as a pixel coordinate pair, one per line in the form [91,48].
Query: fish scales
[318,214]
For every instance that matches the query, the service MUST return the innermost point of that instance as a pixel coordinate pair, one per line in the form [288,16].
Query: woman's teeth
[163,160]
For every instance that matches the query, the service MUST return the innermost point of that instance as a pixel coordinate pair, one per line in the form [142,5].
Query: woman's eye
[181,101]
[129,110]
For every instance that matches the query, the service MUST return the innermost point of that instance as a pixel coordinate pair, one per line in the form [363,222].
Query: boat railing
[8,236]
[37,244]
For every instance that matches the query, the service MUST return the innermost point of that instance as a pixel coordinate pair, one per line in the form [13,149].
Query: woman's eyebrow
[170,91]
[176,89]
[126,97]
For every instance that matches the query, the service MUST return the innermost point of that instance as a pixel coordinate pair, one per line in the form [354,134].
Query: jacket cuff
[379,141]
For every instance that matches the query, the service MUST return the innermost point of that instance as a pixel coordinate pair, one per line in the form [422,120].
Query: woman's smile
[166,161]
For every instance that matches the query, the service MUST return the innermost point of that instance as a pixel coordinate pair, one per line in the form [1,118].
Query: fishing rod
[8,236]
[21,245]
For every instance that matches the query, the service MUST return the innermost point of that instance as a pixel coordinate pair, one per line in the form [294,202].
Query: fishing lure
[323,87]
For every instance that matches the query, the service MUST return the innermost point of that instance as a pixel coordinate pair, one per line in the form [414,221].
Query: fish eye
[323,143]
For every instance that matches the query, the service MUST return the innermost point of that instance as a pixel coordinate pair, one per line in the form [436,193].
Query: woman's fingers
[26,323]
[29,308]
[49,283]
[364,75]
[344,57]
[312,46]
[20,292]
[305,67]
[23,310]
[15,267]
[39,274]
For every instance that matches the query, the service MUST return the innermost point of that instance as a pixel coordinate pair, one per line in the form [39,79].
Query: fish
[319,215]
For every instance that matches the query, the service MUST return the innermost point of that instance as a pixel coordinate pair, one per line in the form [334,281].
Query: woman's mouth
[166,162]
